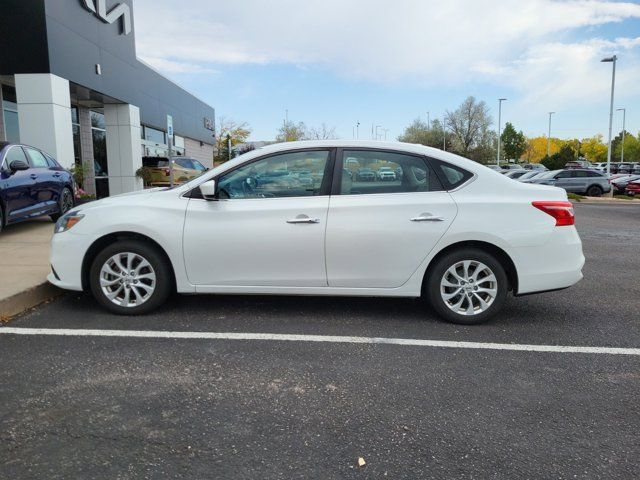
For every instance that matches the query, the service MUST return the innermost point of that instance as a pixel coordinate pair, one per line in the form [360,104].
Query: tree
[594,149]
[468,124]
[631,148]
[321,133]
[292,132]
[559,159]
[229,129]
[514,143]
[419,132]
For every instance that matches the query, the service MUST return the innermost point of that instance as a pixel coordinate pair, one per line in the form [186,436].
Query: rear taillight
[561,211]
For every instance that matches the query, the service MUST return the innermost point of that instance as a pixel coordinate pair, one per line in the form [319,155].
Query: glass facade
[99,137]
[75,126]
[10,110]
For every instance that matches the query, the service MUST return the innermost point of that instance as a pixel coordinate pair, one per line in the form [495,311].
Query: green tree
[226,130]
[514,143]
[419,132]
[469,126]
[559,159]
[631,148]
[292,132]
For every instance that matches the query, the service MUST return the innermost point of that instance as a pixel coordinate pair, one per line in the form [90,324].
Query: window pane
[36,159]
[11,127]
[15,153]
[97,120]
[153,135]
[76,143]
[74,115]
[100,152]
[370,172]
[296,174]
[9,100]
[451,175]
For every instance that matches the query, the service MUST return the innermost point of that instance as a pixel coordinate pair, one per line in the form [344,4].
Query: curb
[605,202]
[27,299]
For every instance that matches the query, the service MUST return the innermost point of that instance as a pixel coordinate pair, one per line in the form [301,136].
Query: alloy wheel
[66,202]
[468,287]
[127,279]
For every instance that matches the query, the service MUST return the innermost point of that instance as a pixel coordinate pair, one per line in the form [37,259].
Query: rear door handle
[34,176]
[303,219]
[427,217]
[57,174]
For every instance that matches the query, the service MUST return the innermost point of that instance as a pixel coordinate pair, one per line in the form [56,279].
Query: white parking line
[279,337]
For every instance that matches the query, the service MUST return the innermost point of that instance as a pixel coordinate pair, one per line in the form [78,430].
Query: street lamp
[428,121]
[624,118]
[500,100]
[613,85]
[549,136]
[357,129]
[377,127]
[385,130]
[444,134]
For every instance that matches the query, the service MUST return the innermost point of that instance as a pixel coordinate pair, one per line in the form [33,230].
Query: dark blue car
[32,184]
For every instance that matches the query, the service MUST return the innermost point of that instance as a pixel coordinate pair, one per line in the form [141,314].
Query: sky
[389,62]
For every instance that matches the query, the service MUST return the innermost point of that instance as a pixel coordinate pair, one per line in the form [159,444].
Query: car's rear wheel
[130,277]
[594,191]
[467,286]
[65,203]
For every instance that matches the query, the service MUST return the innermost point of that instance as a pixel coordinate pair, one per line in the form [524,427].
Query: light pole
[549,136]
[428,121]
[613,86]
[385,130]
[624,118]
[500,100]
[357,129]
[377,127]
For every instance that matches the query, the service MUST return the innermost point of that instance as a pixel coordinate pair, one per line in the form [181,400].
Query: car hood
[128,197]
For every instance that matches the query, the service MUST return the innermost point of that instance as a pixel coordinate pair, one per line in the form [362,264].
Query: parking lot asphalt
[106,407]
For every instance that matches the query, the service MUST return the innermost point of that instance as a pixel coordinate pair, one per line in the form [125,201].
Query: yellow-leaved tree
[594,149]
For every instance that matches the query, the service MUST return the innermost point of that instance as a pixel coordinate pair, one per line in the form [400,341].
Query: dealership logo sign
[120,11]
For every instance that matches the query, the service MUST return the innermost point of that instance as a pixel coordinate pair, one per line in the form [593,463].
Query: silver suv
[588,182]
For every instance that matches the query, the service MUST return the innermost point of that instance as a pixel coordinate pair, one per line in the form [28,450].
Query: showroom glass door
[101,167]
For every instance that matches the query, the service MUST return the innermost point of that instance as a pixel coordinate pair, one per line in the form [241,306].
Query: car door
[564,180]
[264,229]
[16,186]
[44,190]
[379,232]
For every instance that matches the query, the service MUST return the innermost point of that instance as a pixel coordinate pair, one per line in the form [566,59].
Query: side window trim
[326,181]
[336,186]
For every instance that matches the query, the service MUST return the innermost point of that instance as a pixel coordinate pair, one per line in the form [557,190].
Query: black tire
[594,191]
[65,203]
[160,264]
[432,287]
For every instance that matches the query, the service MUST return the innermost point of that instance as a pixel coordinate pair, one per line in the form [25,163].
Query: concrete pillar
[86,150]
[124,149]
[44,114]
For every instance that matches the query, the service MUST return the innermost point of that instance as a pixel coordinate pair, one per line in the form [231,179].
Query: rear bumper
[553,266]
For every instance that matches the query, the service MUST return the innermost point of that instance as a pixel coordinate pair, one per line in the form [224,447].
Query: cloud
[171,66]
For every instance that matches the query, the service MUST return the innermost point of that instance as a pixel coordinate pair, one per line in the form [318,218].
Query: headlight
[67,221]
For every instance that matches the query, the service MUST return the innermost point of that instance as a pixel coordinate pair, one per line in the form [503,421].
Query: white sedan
[452,231]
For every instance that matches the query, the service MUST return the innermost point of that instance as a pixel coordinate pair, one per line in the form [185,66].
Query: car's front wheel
[130,277]
[467,286]
[65,203]
[594,191]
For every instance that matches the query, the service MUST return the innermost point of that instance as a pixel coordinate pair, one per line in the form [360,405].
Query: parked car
[531,174]
[386,173]
[625,168]
[633,188]
[620,184]
[184,169]
[365,175]
[447,237]
[587,182]
[495,167]
[516,173]
[535,166]
[578,164]
[636,169]
[32,184]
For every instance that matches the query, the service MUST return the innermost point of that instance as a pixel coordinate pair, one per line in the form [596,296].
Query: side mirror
[208,190]
[17,165]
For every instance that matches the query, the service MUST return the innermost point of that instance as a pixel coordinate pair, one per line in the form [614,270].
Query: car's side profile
[184,169]
[32,184]
[450,230]
[576,180]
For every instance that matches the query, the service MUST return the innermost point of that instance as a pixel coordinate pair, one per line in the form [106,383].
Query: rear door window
[450,175]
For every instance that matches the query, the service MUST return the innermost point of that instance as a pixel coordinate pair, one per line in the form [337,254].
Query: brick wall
[203,153]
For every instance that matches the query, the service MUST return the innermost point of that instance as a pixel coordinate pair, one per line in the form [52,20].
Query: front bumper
[67,251]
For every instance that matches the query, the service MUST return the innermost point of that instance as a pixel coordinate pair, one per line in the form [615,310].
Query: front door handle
[57,174]
[303,219]
[427,217]
[34,176]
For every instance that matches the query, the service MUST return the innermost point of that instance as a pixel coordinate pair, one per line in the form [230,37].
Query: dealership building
[73,86]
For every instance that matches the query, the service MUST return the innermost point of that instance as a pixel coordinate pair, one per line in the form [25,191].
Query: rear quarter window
[451,176]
